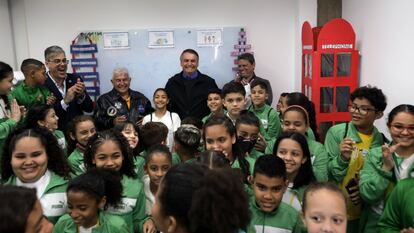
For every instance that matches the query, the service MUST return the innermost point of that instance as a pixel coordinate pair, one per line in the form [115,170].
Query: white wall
[7,54]
[385,37]
[272,26]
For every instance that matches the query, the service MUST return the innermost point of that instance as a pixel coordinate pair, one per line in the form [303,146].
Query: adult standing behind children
[188,89]
[71,97]
[121,103]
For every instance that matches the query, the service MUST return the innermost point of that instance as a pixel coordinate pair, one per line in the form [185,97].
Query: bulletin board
[150,67]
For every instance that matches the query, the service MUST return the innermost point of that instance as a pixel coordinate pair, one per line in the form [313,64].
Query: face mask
[246,145]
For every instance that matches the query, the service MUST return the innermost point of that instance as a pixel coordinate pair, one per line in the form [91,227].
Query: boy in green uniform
[269,213]
[214,103]
[31,91]
[348,145]
[248,135]
[234,99]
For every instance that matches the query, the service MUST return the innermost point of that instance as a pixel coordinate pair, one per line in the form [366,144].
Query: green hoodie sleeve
[337,167]
[320,161]
[139,216]
[6,127]
[274,128]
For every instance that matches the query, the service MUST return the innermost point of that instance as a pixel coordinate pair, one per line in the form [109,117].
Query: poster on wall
[209,37]
[160,39]
[116,40]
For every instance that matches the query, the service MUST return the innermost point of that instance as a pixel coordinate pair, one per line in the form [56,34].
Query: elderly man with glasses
[69,89]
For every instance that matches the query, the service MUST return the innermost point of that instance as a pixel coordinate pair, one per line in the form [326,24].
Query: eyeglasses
[363,110]
[58,62]
[400,128]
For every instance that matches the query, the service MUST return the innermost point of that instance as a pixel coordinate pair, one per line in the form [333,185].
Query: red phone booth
[329,70]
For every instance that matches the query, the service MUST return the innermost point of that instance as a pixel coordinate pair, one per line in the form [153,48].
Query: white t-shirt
[171,120]
[401,172]
[149,197]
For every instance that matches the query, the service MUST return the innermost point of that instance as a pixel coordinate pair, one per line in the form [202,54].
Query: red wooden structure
[329,70]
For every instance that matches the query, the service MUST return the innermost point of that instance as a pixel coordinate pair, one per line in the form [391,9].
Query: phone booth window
[323,128]
[326,101]
[342,98]
[308,66]
[327,63]
[343,65]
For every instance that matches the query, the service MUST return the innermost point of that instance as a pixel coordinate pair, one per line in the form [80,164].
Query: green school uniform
[132,206]
[310,134]
[255,154]
[30,96]
[175,159]
[76,161]
[375,186]
[53,200]
[204,120]
[270,121]
[319,158]
[61,139]
[107,224]
[6,126]
[283,219]
[399,211]
[251,161]
[139,163]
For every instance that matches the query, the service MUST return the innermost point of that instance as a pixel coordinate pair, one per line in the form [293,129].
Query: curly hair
[57,161]
[374,95]
[203,200]
[100,138]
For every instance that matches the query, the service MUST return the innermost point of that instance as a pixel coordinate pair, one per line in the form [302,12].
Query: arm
[274,128]
[337,167]
[138,215]
[320,163]
[390,221]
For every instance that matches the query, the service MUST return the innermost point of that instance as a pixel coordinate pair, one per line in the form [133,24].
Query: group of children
[172,175]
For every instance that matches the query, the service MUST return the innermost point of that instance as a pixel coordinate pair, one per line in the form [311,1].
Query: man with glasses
[69,89]
[348,146]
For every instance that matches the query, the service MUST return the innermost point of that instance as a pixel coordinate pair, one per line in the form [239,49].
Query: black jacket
[75,107]
[140,106]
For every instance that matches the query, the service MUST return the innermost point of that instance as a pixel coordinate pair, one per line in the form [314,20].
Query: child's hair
[214,91]
[30,64]
[297,98]
[259,83]
[374,95]
[5,71]
[248,118]
[408,108]
[188,138]
[305,174]
[99,183]
[37,113]
[233,87]
[213,159]
[121,127]
[160,89]
[284,94]
[16,205]
[236,151]
[159,149]
[248,57]
[203,200]
[72,126]
[315,186]
[100,138]
[193,121]
[57,161]
[271,166]
[153,133]
[301,110]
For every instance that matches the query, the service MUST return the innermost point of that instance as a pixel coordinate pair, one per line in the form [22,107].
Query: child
[281,103]
[250,140]
[324,208]
[157,164]
[220,134]
[214,103]
[387,165]
[45,116]
[194,199]
[161,114]
[268,116]
[234,99]
[348,145]
[88,195]
[130,132]
[32,158]
[269,183]
[80,130]
[31,91]
[213,159]
[109,149]
[186,143]
[293,149]
[296,119]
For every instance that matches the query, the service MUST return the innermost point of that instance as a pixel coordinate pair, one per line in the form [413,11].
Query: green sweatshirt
[270,121]
[132,207]
[319,159]
[283,219]
[375,186]
[76,162]
[399,211]
[251,161]
[107,224]
[30,96]
[53,200]
[61,139]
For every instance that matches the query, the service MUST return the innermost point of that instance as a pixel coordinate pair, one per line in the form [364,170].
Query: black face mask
[246,145]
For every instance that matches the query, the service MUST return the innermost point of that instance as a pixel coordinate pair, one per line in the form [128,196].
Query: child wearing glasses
[348,146]
[387,165]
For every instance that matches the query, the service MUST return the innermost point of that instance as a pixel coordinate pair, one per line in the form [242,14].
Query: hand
[407,230]
[80,87]
[149,226]
[119,119]
[139,122]
[387,161]
[70,94]
[50,100]
[15,112]
[346,147]
[354,194]
[260,144]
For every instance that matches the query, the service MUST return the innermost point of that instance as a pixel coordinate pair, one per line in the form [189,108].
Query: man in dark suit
[71,97]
